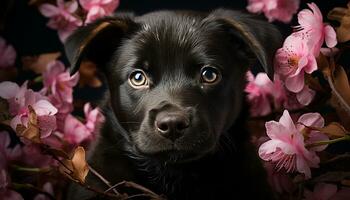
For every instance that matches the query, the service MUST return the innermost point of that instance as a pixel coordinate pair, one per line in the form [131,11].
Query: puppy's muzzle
[170,121]
[172,125]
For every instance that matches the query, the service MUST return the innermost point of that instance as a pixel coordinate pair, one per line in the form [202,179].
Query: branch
[92,170]
[339,97]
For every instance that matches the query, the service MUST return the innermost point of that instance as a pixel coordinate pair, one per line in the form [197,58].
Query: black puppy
[174,117]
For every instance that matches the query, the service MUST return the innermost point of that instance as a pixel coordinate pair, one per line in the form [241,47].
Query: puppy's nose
[171,125]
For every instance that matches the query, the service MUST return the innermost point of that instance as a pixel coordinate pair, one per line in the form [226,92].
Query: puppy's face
[176,83]
[180,86]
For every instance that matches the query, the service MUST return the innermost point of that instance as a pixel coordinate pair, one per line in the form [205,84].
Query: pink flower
[61,17]
[7,54]
[58,81]
[282,10]
[313,29]
[75,131]
[259,90]
[98,8]
[287,145]
[93,117]
[322,191]
[20,98]
[292,60]
[305,96]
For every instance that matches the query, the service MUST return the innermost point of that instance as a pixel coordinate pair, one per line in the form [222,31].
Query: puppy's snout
[172,125]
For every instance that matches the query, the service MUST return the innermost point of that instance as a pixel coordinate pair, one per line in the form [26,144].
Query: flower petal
[305,96]
[312,119]
[330,36]
[296,83]
[8,89]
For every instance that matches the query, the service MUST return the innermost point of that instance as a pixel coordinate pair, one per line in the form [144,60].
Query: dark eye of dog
[210,75]
[138,79]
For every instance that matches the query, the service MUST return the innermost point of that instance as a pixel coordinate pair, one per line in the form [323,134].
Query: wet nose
[171,125]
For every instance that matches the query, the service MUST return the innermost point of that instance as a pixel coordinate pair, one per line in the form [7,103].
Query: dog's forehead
[175,28]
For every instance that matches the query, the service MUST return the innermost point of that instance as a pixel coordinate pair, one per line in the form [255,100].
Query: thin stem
[103,179]
[141,188]
[114,186]
[29,169]
[100,191]
[138,195]
[339,97]
[320,143]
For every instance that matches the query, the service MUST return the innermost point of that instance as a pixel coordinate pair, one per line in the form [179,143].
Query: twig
[339,157]
[29,169]
[97,191]
[143,189]
[137,195]
[115,186]
[339,97]
[146,192]
[103,180]
[320,143]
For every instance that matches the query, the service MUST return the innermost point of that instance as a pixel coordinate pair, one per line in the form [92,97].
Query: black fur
[210,157]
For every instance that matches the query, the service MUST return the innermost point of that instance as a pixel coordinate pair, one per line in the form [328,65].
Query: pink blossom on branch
[281,10]
[258,91]
[58,85]
[98,8]
[286,149]
[312,29]
[93,118]
[76,132]
[58,82]
[19,98]
[62,17]
[292,60]
[263,95]
[7,54]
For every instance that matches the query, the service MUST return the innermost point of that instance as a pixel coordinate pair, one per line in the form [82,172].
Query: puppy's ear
[97,41]
[261,37]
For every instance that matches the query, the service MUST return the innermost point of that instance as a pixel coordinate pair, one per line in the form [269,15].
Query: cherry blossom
[287,145]
[19,98]
[58,82]
[312,29]
[259,89]
[98,8]
[62,17]
[282,10]
[292,60]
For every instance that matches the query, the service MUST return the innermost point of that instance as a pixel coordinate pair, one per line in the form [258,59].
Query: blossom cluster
[52,108]
[292,145]
[64,15]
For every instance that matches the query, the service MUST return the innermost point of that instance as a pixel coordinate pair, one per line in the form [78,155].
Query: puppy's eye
[138,79]
[210,75]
